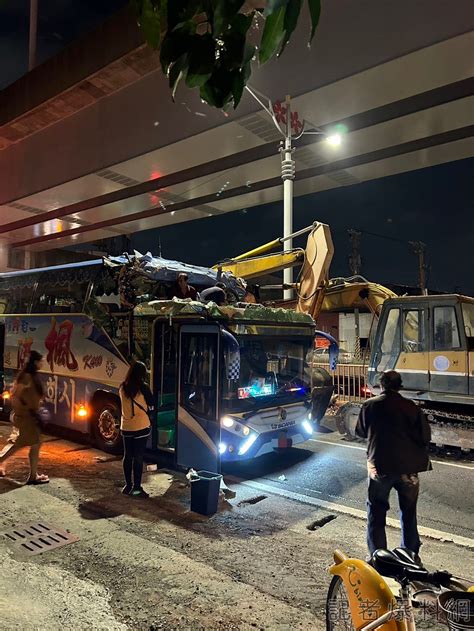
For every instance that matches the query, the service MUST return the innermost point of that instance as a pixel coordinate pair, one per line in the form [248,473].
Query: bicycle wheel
[338,612]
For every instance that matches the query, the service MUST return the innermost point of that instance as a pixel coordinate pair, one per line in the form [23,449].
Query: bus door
[165,386]
[198,428]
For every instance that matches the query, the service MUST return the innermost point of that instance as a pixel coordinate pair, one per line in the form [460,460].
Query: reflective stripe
[433,372]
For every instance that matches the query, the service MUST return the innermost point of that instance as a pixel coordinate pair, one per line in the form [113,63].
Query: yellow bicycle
[359,598]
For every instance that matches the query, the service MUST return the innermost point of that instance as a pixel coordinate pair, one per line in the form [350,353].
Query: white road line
[431,533]
[330,442]
[446,464]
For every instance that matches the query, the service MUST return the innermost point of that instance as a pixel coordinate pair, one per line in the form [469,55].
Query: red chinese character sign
[58,345]
[280,111]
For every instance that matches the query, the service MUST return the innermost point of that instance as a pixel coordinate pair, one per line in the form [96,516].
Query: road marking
[431,533]
[446,464]
[330,442]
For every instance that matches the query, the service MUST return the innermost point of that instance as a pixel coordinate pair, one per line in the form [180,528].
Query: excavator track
[452,433]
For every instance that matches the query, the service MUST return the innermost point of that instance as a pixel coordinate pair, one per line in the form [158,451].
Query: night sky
[59,22]
[433,205]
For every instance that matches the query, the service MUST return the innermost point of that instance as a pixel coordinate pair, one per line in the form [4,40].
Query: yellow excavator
[315,292]
[428,339]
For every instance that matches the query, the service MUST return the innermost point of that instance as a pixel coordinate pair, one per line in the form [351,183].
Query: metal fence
[350,381]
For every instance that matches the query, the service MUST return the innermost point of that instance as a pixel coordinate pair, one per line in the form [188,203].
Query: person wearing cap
[398,436]
[181,289]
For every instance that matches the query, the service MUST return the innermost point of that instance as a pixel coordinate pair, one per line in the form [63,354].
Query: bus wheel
[106,426]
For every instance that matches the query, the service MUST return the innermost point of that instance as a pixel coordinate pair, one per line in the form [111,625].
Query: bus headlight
[227,421]
[307,427]
[245,430]
[222,448]
[247,444]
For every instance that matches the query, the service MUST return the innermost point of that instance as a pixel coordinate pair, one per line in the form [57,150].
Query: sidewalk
[151,564]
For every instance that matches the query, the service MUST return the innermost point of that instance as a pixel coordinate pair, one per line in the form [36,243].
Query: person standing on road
[137,402]
[398,436]
[26,399]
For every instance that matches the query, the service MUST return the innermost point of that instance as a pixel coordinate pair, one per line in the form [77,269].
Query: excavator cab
[429,340]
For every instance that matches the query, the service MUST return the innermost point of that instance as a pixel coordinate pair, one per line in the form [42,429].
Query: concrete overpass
[91,145]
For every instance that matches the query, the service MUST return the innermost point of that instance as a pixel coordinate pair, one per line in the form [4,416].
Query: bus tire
[106,425]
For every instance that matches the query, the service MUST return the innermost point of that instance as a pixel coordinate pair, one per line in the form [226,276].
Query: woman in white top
[137,401]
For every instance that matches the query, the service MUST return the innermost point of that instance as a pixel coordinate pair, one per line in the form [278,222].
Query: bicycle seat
[408,555]
[397,564]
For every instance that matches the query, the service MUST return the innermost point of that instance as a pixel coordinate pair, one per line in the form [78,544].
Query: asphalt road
[328,468]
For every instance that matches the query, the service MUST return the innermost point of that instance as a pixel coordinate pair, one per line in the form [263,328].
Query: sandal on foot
[40,479]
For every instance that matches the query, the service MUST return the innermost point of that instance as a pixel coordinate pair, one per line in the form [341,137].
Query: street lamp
[288,168]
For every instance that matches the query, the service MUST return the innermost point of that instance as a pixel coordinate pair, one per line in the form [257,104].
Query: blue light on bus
[247,444]
[307,427]
[222,448]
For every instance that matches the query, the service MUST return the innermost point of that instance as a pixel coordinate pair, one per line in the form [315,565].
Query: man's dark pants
[407,487]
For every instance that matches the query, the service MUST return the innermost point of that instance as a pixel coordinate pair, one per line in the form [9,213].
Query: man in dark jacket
[398,436]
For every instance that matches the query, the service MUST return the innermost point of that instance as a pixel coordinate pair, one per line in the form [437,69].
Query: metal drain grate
[38,537]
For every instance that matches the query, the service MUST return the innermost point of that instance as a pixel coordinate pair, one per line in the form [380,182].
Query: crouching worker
[137,402]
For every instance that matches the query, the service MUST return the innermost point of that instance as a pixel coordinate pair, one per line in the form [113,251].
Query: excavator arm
[315,292]
[258,265]
[315,261]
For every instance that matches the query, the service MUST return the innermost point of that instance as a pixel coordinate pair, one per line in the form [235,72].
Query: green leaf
[238,85]
[224,12]
[180,11]
[175,44]
[273,34]
[292,14]
[149,19]
[249,53]
[218,89]
[176,73]
[247,71]
[315,12]
[207,94]
[202,60]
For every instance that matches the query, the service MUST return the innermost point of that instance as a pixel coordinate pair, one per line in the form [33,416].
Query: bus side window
[64,298]
[446,333]
[199,373]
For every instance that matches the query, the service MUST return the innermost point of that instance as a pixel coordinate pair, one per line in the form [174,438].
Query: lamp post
[288,168]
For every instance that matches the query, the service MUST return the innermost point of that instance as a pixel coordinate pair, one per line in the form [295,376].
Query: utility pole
[355,264]
[33,34]
[355,260]
[287,175]
[419,248]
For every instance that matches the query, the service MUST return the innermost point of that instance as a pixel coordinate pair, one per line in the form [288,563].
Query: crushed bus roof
[248,313]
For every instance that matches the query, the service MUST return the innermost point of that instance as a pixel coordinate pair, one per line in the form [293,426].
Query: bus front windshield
[273,371]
